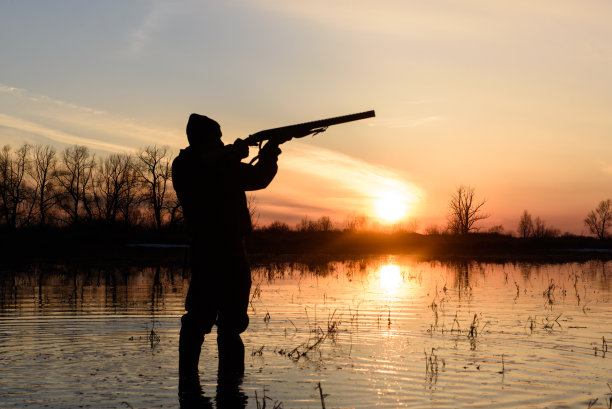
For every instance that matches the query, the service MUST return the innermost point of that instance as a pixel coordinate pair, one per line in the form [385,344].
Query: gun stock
[286,133]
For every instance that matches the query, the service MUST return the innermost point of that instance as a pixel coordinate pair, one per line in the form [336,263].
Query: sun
[390,206]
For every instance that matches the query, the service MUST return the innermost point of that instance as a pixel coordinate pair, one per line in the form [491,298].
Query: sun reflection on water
[390,278]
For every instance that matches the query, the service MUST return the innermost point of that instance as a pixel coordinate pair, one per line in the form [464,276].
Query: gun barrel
[313,125]
[321,123]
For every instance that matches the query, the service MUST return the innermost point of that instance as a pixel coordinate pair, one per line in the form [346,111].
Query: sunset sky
[513,98]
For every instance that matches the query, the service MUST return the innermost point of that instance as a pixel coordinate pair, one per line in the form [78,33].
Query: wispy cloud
[352,173]
[325,182]
[396,17]
[311,180]
[606,168]
[69,123]
[42,132]
[150,25]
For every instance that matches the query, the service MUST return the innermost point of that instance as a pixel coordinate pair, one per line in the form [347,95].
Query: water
[388,331]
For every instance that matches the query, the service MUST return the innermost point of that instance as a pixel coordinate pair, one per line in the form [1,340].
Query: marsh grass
[265,399]
[305,348]
[432,366]
[255,294]
[321,395]
[592,402]
[549,293]
[316,338]
[333,325]
[503,370]
[468,328]
[604,349]
[153,339]
[547,323]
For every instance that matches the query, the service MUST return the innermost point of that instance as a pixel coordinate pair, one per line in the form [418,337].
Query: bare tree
[253,211]
[13,189]
[111,183]
[324,223]
[305,224]
[497,229]
[355,222]
[174,207]
[277,226]
[433,230]
[465,211]
[132,194]
[74,178]
[541,230]
[598,220]
[155,172]
[525,226]
[42,171]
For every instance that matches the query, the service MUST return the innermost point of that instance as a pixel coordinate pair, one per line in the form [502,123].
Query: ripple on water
[442,335]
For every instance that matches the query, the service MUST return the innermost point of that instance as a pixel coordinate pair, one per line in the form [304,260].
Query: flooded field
[387,331]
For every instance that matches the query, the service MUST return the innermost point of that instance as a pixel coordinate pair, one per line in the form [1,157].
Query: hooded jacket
[211,186]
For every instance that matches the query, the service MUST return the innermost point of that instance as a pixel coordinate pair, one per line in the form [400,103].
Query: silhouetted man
[210,181]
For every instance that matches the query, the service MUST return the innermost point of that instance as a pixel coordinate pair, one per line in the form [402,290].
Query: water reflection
[229,394]
[89,290]
[517,334]
[390,278]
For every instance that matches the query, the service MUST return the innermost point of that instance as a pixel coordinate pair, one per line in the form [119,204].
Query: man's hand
[241,148]
[270,150]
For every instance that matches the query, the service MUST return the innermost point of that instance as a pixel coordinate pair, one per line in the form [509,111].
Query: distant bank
[91,244]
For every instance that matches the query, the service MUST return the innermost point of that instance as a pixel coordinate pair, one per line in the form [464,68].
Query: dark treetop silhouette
[210,181]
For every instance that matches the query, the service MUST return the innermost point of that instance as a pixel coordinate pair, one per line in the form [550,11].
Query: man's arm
[259,176]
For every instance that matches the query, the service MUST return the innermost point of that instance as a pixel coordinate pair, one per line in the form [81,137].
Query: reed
[321,394]
[432,366]
[503,370]
[265,399]
[153,339]
[592,402]
[549,293]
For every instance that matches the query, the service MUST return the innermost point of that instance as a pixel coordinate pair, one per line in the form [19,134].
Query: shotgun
[286,133]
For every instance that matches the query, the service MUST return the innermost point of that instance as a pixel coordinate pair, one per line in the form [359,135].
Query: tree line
[40,186]
[464,213]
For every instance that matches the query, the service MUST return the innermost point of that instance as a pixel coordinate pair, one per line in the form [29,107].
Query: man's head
[203,132]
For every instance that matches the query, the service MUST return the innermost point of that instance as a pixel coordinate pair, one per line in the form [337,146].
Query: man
[210,181]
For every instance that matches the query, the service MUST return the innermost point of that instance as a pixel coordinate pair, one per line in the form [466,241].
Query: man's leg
[191,338]
[195,324]
[231,354]
[233,318]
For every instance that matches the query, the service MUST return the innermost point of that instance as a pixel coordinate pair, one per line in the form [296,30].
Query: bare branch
[464,211]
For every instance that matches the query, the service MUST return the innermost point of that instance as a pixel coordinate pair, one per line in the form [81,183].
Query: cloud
[312,181]
[40,131]
[606,168]
[315,181]
[69,123]
[151,24]
[391,17]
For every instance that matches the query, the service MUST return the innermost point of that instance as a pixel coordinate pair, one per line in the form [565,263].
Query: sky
[512,98]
